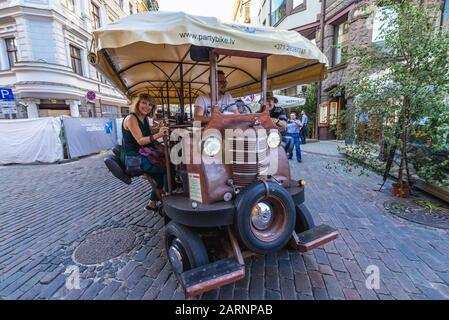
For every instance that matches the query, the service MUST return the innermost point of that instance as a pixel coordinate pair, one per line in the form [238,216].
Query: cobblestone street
[46,211]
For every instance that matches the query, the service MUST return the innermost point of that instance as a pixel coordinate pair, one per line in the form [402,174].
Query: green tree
[309,106]
[402,86]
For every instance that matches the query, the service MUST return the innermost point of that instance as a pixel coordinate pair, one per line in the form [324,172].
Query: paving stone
[321,257]
[320,294]
[92,291]
[273,295]
[297,262]
[303,284]
[287,289]
[256,288]
[365,293]
[285,269]
[336,263]
[134,278]
[413,261]
[107,292]
[325,269]
[345,279]
[333,287]
[120,293]
[351,294]
[432,293]
[316,279]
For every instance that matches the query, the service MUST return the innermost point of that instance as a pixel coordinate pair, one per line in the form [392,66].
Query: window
[75,56]
[324,109]
[109,111]
[95,16]
[333,110]
[445,20]
[278,10]
[297,3]
[340,41]
[124,111]
[121,4]
[131,9]
[382,19]
[70,4]
[11,50]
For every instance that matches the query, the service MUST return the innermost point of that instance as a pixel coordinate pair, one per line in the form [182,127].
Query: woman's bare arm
[133,126]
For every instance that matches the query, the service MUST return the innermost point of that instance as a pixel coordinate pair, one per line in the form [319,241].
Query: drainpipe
[269,13]
[320,84]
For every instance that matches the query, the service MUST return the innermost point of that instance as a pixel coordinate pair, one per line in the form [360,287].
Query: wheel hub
[261,216]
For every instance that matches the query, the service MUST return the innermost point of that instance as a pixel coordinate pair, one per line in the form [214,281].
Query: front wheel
[265,223]
[185,249]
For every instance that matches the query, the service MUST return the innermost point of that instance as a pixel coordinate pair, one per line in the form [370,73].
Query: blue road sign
[6,94]
[108,127]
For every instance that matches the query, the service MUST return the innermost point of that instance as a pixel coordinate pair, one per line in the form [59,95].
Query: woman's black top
[129,144]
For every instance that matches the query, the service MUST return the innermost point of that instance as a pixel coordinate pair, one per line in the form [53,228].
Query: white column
[74,108]
[32,109]
[4,63]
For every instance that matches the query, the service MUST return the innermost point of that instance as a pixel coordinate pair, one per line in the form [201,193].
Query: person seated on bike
[225,102]
[137,133]
[279,118]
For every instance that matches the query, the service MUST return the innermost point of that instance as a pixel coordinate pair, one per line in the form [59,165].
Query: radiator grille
[249,158]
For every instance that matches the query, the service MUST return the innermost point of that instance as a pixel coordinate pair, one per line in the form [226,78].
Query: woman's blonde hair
[143,97]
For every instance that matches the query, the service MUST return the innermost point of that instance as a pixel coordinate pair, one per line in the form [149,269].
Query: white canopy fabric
[283,101]
[30,140]
[143,52]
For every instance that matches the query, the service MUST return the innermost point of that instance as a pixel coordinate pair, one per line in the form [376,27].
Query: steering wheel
[248,108]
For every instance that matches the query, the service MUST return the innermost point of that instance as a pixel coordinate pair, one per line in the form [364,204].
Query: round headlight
[273,140]
[212,146]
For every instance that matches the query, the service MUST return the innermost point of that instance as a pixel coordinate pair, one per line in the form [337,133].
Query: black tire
[281,221]
[304,219]
[189,246]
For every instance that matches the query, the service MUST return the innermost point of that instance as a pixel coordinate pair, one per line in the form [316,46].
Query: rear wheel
[185,249]
[265,223]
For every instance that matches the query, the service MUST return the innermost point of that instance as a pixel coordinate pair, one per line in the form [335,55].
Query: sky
[213,8]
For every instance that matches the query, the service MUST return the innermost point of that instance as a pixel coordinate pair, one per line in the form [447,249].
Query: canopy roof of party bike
[151,53]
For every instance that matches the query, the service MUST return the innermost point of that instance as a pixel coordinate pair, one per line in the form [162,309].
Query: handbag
[132,165]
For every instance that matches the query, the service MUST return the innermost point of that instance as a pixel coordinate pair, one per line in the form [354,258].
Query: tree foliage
[401,89]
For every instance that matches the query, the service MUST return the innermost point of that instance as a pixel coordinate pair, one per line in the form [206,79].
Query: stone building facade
[43,57]
[351,23]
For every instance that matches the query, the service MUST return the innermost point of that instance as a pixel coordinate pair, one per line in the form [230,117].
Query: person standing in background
[304,121]
[293,131]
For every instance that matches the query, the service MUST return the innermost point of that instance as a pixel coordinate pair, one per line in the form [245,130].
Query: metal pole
[167,163]
[320,84]
[190,100]
[213,77]
[168,102]
[264,80]
[162,101]
[181,93]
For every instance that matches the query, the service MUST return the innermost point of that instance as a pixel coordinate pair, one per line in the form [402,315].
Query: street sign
[8,110]
[91,95]
[6,94]
[7,103]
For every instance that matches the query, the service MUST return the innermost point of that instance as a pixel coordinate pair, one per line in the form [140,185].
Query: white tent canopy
[146,52]
[283,101]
